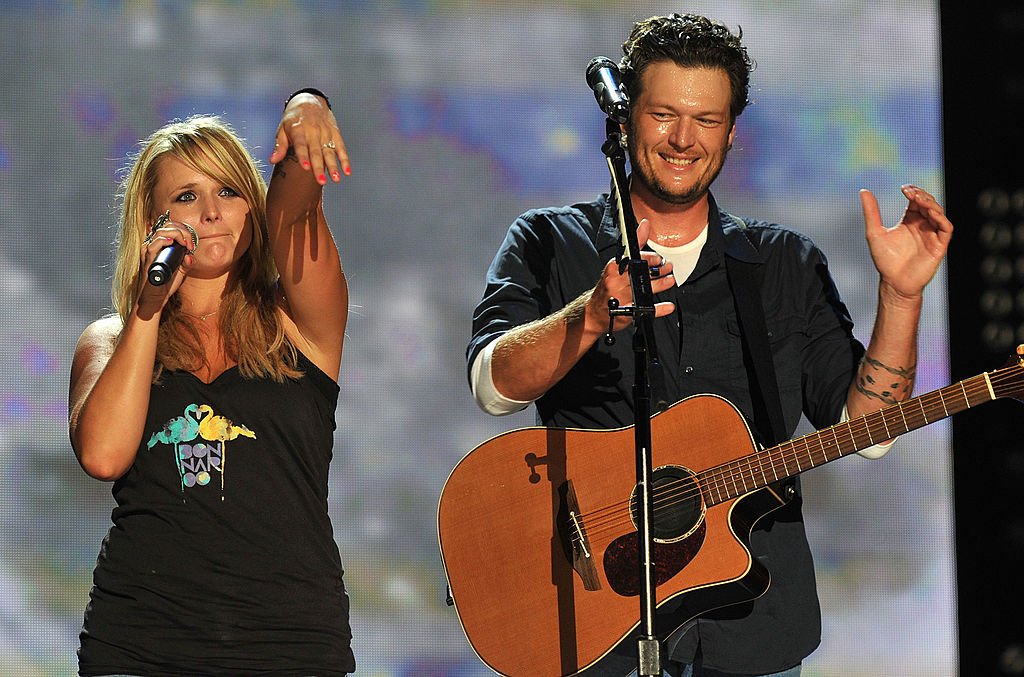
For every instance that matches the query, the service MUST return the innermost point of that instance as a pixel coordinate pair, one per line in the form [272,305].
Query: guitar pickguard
[622,560]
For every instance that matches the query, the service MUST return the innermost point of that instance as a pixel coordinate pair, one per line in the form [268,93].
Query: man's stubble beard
[658,190]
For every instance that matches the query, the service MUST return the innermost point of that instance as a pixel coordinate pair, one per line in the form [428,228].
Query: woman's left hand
[309,130]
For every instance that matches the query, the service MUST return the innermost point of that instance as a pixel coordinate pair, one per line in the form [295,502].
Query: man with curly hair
[536,331]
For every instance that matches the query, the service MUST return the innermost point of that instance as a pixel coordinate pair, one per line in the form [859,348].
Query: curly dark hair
[691,41]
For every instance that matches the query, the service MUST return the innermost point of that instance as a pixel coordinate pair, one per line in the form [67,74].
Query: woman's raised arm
[309,149]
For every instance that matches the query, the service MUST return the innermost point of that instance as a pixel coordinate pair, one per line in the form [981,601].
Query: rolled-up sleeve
[515,291]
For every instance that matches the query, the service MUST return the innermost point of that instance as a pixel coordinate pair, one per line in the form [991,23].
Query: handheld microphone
[171,256]
[167,261]
[604,78]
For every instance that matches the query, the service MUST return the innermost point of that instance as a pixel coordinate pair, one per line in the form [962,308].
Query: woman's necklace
[202,318]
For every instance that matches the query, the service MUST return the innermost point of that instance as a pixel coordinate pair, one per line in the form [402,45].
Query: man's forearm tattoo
[880,385]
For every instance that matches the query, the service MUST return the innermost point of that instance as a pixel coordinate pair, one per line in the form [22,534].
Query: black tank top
[221,559]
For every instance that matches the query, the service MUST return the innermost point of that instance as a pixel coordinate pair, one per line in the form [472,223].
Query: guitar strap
[745,281]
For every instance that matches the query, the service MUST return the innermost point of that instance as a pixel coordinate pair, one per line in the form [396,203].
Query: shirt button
[688,370]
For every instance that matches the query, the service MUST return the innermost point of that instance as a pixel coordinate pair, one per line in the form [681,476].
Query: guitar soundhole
[677,504]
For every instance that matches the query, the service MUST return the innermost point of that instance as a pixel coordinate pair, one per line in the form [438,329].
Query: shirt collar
[725,232]
[730,236]
[608,235]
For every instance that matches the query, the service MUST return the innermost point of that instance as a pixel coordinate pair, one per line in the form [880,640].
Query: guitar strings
[723,473]
[665,497]
[728,479]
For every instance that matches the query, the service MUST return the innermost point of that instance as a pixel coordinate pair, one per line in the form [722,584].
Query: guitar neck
[755,471]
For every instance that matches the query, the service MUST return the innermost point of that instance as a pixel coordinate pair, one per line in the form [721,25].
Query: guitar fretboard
[757,470]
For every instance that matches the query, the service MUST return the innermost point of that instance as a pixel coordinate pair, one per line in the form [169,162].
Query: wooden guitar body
[507,539]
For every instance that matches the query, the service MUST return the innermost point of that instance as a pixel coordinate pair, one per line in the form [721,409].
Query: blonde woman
[209,401]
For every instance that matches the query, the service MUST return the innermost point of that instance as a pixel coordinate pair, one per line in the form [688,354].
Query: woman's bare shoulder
[100,335]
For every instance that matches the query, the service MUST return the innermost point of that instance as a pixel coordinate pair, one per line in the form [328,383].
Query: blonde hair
[249,321]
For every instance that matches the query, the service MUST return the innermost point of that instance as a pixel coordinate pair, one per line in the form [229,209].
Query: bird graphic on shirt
[220,429]
[179,429]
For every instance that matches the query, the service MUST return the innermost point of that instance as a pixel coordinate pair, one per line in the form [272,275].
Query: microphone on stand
[604,78]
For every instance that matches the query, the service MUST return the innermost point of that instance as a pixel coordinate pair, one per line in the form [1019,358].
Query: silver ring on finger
[195,239]
[160,221]
[329,144]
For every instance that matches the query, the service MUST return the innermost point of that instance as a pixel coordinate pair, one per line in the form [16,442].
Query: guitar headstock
[1009,381]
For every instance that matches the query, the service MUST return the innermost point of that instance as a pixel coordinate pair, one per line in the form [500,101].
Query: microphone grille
[596,64]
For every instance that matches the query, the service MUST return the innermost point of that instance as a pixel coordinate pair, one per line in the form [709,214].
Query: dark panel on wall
[983,102]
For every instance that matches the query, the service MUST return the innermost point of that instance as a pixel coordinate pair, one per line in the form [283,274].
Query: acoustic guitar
[538,533]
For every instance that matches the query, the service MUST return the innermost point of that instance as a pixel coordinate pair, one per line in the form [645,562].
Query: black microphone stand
[647,367]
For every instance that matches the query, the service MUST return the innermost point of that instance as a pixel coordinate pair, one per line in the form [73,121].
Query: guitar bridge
[579,544]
